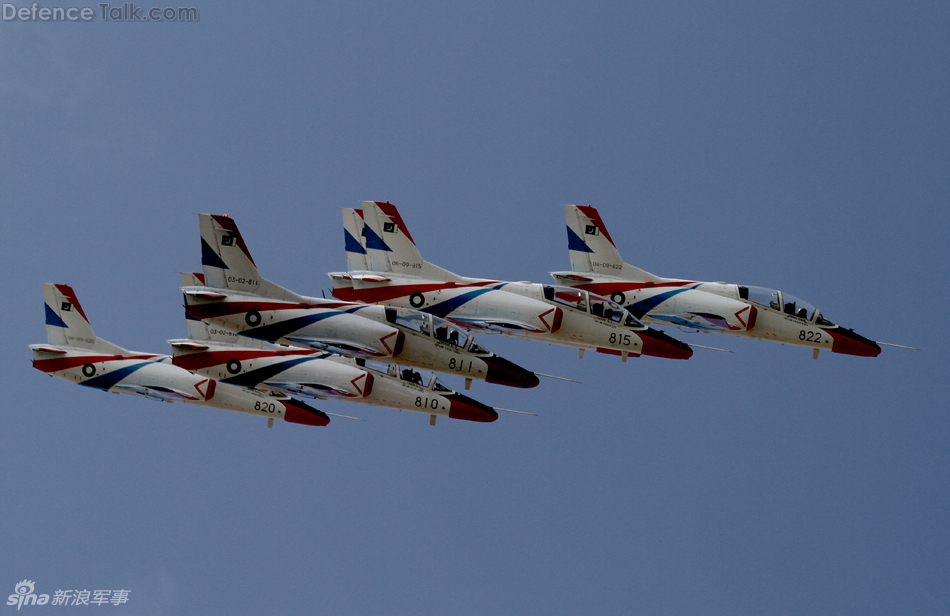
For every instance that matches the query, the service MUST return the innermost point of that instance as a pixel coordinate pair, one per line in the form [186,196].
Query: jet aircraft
[738,310]
[75,354]
[385,267]
[232,294]
[245,362]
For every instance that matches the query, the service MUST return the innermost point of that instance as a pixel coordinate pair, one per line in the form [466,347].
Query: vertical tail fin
[389,246]
[66,322]
[227,263]
[225,259]
[197,330]
[592,249]
[354,237]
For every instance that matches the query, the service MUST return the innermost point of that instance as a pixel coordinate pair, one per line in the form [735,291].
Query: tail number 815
[623,339]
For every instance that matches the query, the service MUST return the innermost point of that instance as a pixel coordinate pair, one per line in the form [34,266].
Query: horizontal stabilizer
[496,325]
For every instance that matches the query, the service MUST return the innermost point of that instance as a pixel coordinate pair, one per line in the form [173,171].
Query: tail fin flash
[66,322]
[592,249]
[227,263]
[225,259]
[354,237]
[389,247]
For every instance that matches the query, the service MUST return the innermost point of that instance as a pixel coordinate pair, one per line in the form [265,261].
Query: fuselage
[737,310]
[155,377]
[406,336]
[322,375]
[545,313]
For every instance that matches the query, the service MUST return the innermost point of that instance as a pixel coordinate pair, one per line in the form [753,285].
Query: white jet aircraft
[246,362]
[76,355]
[385,267]
[234,296]
[745,311]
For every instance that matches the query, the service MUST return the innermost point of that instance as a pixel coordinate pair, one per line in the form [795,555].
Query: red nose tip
[850,343]
[463,407]
[658,344]
[503,372]
[299,412]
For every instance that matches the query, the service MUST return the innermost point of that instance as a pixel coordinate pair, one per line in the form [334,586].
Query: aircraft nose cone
[503,372]
[299,412]
[658,344]
[850,343]
[463,407]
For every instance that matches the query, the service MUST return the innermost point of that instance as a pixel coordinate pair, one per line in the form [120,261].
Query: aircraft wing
[312,389]
[165,394]
[495,325]
[343,347]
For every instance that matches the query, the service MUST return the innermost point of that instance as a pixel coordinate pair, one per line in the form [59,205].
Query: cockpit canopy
[783,302]
[596,305]
[412,376]
[429,325]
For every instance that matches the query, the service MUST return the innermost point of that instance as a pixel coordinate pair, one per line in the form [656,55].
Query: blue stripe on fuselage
[275,331]
[106,381]
[442,309]
[644,306]
[255,377]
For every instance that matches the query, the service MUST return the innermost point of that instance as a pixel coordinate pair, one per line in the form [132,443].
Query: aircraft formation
[255,347]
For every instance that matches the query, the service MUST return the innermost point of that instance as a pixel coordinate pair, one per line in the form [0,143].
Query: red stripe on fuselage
[194,361]
[606,288]
[65,363]
[375,295]
[223,309]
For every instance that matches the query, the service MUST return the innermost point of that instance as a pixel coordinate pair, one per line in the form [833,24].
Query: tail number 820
[265,407]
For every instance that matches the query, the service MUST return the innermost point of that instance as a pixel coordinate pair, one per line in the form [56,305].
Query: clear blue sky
[801,146]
